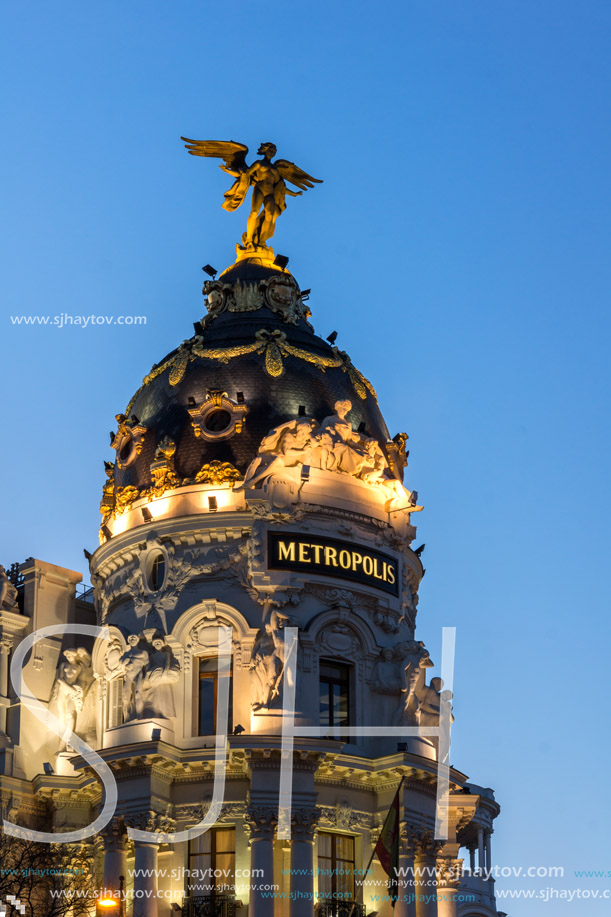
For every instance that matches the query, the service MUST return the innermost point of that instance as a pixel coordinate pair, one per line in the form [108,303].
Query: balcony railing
[210,906]
[329,907]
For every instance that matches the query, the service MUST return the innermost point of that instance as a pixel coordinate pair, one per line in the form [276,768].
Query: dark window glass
[335,696]
[217,421]
[126,449]
[208,696]
[158,572]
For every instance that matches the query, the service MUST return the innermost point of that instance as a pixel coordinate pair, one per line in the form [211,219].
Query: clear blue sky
[459,245]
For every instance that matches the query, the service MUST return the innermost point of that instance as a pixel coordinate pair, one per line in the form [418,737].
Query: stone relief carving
[339,639]
[333,446]
[228,560]
[73,699]
[280,294]
[8,592]
[387,675]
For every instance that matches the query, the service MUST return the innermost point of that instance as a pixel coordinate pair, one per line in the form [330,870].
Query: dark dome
[257,347]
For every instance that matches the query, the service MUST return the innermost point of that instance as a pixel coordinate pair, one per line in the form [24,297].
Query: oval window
[218,421]
[157,574]
[126,450]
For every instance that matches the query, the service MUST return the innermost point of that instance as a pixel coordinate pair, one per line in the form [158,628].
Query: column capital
[262,821]
[449,872]
[303,823]
[154,822]
[115,835]
[425,845]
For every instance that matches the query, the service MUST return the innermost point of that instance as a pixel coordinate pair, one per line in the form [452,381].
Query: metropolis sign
[330,557]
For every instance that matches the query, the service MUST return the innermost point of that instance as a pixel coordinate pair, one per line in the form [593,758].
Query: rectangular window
[208,697]
[336,865]
[210,853]
[335,696]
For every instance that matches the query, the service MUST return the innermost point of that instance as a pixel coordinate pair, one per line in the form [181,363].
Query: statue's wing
[233,154]
[290,172]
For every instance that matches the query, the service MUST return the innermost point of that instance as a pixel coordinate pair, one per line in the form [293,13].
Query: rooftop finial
[268,180]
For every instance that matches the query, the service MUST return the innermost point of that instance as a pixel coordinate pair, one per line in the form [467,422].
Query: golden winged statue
[268,180]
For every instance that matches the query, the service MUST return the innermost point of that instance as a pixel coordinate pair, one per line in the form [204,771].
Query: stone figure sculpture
[73,697]
[268,661]
[430,698]
[331,446]
[133,662]
[416,659]
[284,447]
[267,179]
[150,669]
[8,591]
[262,677]
[161,672]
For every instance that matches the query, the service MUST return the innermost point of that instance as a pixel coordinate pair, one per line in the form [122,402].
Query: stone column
[472,860]
[145,886]
[448,879]
[5,648]
[405,905]
[115,854]
[424,864]
[303,824]
[488,850]
[262,821]
[481,856]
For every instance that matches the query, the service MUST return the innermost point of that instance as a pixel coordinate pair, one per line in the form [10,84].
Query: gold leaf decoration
[179,365]
[273,360]
[217,472]
[124,498]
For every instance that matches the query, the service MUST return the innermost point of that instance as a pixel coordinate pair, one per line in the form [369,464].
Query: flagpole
[373,853]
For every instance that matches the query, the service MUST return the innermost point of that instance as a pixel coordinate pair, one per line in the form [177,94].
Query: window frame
[348,668]
[335,836]
[211,880]
[212,676]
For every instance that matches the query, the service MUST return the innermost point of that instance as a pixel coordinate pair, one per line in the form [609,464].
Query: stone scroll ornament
[332,446]
[266,178]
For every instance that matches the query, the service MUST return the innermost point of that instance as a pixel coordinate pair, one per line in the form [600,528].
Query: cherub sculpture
[268,180]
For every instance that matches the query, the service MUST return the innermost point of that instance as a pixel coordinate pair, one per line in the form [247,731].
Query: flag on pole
[387,847]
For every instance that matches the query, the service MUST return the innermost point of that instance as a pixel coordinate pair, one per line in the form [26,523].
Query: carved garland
[275,347]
